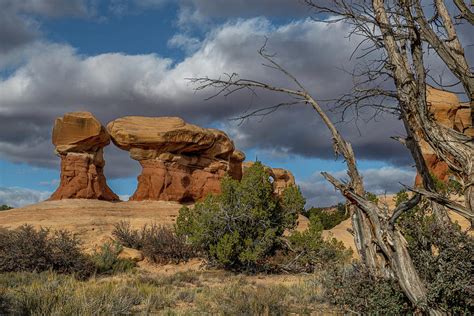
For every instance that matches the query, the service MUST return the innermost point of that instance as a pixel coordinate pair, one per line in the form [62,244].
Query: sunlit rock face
[79,139]
[449,112]
[180,161]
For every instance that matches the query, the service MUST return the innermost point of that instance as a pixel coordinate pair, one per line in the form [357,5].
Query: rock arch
[180,161]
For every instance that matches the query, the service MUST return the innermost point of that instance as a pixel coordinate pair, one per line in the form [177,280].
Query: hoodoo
[181,162]
[79,139]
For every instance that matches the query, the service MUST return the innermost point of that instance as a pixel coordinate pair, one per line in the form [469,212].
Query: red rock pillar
[79,139]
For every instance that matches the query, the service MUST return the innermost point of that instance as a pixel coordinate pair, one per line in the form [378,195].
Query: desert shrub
[353,288]
[372,197]
[310,251]
[160,244]
[107,261]
[28,249]
[128,237]
[292,203]
[5,207]
[329,217]
[241,227]
[4,302]
[442,256]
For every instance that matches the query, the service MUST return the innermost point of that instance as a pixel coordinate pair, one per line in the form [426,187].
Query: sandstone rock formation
[181,162]
[282,178]
[449,112]
[79,139]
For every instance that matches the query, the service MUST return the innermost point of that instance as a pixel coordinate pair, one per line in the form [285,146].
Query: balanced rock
[79,139]
[282,178]
[180,161]
[448,112]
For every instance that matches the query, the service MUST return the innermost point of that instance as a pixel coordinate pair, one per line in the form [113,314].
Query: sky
[116,58]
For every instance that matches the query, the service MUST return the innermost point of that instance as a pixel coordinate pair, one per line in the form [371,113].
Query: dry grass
[213,292]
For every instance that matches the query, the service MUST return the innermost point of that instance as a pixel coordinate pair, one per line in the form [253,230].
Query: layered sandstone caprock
[181,162]
[449,112]
[79,139]
[282,178]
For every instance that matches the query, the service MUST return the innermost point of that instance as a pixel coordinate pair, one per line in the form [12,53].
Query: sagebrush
[28,249]
[160,244]
[443,256]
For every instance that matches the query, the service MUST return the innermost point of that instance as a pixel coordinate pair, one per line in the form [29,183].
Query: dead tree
[379,242]
[401,33]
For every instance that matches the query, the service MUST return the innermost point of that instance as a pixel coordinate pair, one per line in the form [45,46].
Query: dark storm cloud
[51,8]
[386,180]
[20,24]
[301,132]
[56,80]
[15,31]
[247,8]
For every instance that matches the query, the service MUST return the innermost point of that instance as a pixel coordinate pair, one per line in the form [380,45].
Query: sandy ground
[341,233]
[93,220]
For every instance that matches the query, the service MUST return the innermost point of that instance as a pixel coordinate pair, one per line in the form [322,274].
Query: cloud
[56,79]
[187,43]
[50,8]
[249,8]
[20,24]
[150,3]
[15,31]
[319,192]
[53,183]
[18,197]
[124,197]
[128,7]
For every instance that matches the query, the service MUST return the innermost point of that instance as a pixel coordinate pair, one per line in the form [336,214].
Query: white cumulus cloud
[18,197]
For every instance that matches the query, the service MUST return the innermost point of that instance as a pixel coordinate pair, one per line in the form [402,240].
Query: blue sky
[117,58]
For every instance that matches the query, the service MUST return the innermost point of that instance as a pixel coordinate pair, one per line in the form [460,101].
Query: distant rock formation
[181,162]
[79,139]
[282,178]
[449,112]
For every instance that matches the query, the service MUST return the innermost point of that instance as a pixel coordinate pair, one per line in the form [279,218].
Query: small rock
[131,254]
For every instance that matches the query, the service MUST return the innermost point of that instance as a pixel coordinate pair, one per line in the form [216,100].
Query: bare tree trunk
[382,247]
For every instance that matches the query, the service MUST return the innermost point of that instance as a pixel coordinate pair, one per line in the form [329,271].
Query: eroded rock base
[82,177]
[179,178]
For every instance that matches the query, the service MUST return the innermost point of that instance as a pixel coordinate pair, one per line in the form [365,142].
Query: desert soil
[93,220]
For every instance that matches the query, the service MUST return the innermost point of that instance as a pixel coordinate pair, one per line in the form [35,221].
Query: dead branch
[465,13]
[440,199]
